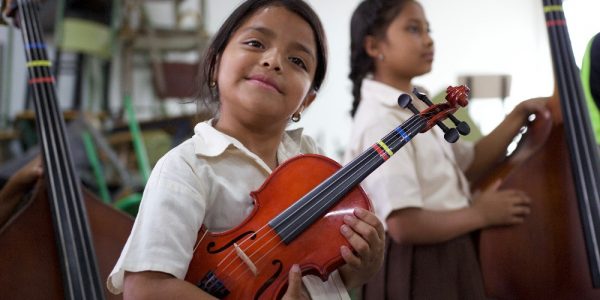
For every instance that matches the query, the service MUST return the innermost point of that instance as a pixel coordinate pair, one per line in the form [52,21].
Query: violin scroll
[458,95]
[436,113]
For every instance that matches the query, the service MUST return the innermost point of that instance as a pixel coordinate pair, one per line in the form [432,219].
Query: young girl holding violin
[263,67]
[422,193]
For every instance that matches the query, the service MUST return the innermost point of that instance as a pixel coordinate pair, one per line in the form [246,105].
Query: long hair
[208,94]
[371,18]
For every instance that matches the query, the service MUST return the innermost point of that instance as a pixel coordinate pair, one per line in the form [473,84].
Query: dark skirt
[445,271]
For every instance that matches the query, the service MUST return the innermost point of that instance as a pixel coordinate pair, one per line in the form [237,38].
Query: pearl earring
[296,117]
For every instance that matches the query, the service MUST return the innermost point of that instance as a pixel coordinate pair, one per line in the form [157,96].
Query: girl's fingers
[521,211]
[370,224]
[351,259]
[294,290]
[360,234]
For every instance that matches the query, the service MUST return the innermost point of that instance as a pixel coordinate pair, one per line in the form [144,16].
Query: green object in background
[92,155]
[86,37]
[129,204]
[585,82]
[138,141]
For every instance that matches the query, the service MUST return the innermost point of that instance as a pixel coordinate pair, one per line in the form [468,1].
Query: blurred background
[126,74]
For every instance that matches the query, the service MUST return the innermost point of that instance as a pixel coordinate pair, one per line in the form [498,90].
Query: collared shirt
[426,173]
[205,180]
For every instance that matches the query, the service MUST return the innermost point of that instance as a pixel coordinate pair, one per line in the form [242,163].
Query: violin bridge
[245,259]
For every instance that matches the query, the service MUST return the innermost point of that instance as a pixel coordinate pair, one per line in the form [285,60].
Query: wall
[471,37]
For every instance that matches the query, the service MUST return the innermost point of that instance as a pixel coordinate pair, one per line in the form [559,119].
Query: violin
[63,241]
[298,212]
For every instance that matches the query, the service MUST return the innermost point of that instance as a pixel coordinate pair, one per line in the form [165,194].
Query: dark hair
[371,18]
[220,40]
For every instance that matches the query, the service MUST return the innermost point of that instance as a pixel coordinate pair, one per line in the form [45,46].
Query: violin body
[30,264]
[316,250]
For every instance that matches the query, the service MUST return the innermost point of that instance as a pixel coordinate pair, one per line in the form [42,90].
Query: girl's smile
[265,82]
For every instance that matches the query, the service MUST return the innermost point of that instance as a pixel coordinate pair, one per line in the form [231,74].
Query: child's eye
[254,43]
[299,62]
[414,29]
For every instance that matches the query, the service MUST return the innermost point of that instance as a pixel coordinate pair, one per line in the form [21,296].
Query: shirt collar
[208,141]
[386,95]
[380,92]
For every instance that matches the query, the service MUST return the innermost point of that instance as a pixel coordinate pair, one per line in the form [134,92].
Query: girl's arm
[492,148]
[158,285]
[491,207]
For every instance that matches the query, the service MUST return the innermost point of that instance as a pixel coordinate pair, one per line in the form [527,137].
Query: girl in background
[422,193]
[264,66]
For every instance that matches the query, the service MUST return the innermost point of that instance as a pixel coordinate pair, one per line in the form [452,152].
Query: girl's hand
[295,289]
[535,106]
[365,233]
[23,179]
[502,207]
[17,186]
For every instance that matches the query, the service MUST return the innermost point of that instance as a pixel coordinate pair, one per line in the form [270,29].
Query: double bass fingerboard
[78,263]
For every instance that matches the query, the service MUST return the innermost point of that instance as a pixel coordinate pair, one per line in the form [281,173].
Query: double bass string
[60,173]
[584,154]
[54,167]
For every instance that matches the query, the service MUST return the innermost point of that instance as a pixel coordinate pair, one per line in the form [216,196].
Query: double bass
[555,254]
[63,242]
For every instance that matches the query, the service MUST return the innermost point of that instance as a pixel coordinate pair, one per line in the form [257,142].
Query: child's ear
[371,45]
[309,98]
[215,74]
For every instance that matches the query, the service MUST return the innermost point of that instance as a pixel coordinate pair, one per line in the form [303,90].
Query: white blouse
[427,172]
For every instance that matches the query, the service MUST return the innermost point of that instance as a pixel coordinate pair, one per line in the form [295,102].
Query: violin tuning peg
[422,97]
[463,128]
[451,136]
[405,101]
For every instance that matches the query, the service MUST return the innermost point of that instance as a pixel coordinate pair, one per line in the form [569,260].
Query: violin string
[376,156]
[394,139]
[259,232]
[370,155]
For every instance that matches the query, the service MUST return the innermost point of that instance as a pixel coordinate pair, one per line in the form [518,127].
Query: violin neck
[294,220]
[585,163]
[80,273]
